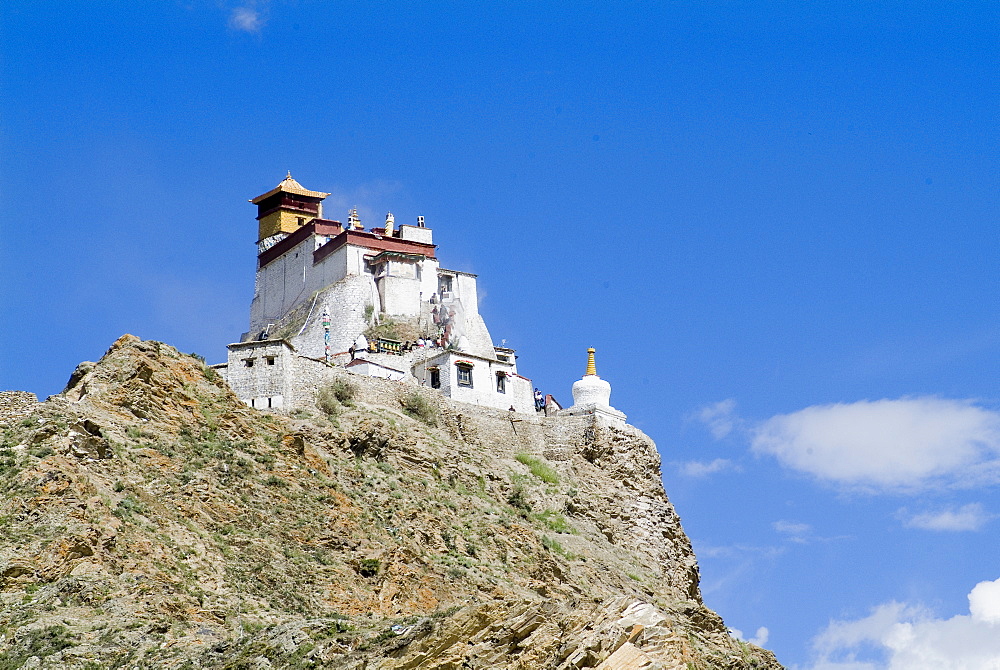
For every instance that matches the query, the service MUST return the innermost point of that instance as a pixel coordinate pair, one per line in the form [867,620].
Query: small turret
[390,223]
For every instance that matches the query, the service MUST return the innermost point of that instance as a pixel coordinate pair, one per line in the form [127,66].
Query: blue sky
[776,222]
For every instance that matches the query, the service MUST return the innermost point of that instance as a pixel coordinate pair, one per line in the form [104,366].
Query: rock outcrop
[151,519]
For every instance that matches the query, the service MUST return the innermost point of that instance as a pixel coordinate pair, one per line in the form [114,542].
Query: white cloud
[795,531]
[966,517]
[901,445]
[246,19]
[720,417]
[700,469]
[984,602]
[791,528]
[908,637]
[759,638]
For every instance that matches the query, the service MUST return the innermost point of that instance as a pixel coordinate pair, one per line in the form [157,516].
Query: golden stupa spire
[591,367]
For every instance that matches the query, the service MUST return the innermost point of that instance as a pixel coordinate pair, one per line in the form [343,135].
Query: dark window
[501,382]
[464,375]
[435,378]
[249,362]
[270,360]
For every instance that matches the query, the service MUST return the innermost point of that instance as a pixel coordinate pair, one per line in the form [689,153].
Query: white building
[323,287]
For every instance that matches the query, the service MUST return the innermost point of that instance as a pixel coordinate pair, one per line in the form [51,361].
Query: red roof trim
[293,240]
[372,241]
[341,237]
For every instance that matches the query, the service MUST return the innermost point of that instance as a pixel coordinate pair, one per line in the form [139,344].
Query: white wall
[331,269]
[518,392]
[400,296]
[416,234]
[280,285]
[428,278]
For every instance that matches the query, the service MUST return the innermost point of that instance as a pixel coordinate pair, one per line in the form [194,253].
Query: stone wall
[15,405]
[345,302]
[260,373]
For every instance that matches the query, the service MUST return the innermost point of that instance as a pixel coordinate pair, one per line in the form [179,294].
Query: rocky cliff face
[150,519]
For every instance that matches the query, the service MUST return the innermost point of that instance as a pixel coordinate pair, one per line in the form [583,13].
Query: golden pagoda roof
[289,185]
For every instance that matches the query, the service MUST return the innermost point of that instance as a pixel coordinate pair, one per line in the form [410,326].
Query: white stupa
[592,395]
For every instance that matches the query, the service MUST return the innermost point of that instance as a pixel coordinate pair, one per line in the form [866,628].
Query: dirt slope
[151,519]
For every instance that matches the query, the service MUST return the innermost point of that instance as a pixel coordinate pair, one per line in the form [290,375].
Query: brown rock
[214,535]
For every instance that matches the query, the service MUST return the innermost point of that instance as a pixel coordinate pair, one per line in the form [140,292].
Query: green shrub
[327,402]
[274,480]
[420,408]
[518,499]
[368,567]
[557,548]
[41,642]
[335,396]
[554,521]
[343,390]
[129,505]
[539,468]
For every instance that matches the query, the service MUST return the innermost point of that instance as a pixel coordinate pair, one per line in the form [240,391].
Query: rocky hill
[151,519]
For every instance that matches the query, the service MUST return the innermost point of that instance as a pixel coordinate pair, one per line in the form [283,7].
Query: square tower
[286,208]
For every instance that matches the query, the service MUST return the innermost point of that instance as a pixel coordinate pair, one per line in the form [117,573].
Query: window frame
[463,375]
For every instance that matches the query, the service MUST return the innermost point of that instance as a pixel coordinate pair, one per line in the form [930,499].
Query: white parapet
[416,234]
[603,414]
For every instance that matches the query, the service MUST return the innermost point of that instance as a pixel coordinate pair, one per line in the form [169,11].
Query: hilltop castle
[376,302]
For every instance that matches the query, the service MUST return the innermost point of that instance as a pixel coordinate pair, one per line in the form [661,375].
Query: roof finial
[353,220]
[591,367]
[289,175]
